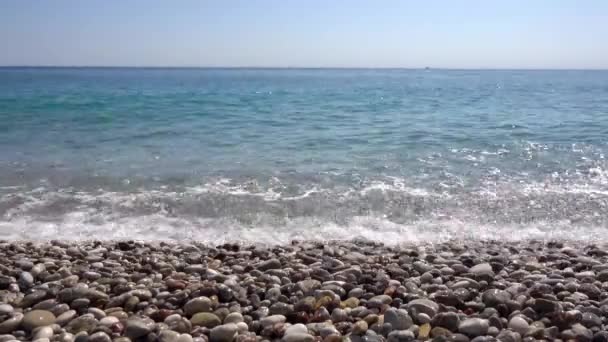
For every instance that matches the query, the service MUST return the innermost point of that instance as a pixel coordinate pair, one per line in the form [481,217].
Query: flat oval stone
[37,318]
[98,313]
[199,304]
[474,327]
[66,317]
[205,319]
[108,321]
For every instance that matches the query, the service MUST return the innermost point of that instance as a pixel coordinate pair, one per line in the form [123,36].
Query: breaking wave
[386,209]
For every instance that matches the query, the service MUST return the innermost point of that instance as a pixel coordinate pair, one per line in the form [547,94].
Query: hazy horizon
[285,68]
[543,35]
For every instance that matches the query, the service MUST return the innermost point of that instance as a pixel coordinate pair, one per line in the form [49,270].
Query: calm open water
[273,155]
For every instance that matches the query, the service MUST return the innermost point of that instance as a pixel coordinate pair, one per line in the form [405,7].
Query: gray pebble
[401,336]
[223,333]
[398,318]
[519,325]
[425,306]
[474,327]
[136,328]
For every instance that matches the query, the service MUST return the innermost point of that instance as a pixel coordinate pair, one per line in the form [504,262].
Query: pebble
[298,337]
[448,320]
[401,336]
[600,336]
[424,331]
[82,324]
[425,306]
[26,280]
[196,305]
[360,327]
[234,317]
[108,321]
[99,337]
[272,320]
[205,319]
[97,313]
[37,318]
[296,329]
[399,319]
[581,333]
[308,286]
[480,269]
[136,328]
[495,297]
[508,336]
[519,325]
[423,318]
[544,306]
[271,264]
[168,336]
[43,332]
[339,315]
[10,324]
[590,320]
[6,309]
[7,338]
[357,291]
[223,333]
[66,317]
[351,302]
[186,338]
[474,327]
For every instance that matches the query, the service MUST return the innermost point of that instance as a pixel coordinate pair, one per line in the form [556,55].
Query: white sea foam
[395,184]
[85,225]
[394,212]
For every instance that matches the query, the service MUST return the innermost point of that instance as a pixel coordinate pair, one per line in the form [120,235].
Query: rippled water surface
[272,155]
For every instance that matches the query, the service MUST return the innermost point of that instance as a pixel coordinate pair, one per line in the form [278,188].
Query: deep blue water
[272,155]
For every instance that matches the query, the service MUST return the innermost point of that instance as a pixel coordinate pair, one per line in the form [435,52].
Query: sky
[551,34]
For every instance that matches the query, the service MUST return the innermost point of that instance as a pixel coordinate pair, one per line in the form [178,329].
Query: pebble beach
[305,291]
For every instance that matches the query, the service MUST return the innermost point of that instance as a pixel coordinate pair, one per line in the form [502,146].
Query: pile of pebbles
[307,291]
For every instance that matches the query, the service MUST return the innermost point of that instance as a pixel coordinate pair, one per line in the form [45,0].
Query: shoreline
[305,291]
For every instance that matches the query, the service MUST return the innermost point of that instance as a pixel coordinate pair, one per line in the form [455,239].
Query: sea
[274,155]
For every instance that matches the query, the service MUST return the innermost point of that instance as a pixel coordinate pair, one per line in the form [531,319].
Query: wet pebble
[359,290]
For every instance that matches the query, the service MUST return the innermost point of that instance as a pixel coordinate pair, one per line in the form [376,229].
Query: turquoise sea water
[267,155]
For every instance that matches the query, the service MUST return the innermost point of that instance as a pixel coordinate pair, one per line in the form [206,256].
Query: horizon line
[288,67]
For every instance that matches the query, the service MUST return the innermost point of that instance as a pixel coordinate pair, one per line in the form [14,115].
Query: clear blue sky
[312,33]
